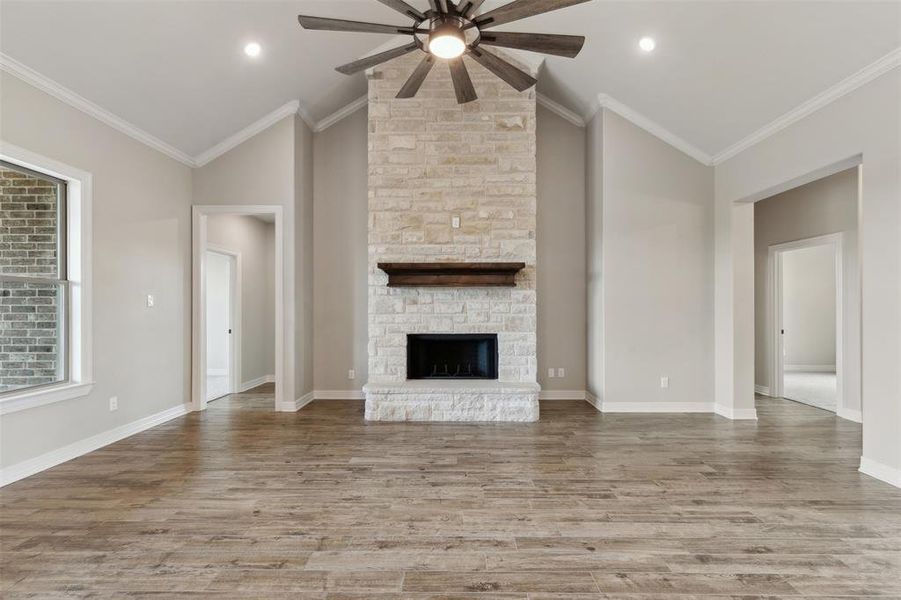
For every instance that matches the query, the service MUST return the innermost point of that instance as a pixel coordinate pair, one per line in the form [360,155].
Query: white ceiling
[722,69]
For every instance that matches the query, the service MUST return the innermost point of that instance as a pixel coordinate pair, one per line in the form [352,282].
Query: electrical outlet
[150,301]
[114,403]
[455,222]
[561,372]
[351,374]
[664,382]
[550,372]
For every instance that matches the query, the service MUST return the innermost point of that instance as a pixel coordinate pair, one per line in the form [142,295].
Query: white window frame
[78,256]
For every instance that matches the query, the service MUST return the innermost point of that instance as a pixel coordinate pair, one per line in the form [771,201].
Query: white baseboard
[656,407]
[849,414]
[890,475]
[592,400]
[562,395]
[50,459]
[339,395]
[736,414]
[297,404]
[763,390]
[813,368]
[249,385]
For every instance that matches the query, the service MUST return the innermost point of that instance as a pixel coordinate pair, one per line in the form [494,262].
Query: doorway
[220,309]
[807,301]
[222,372]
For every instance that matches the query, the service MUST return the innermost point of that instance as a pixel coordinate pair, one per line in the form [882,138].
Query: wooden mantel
[452,274]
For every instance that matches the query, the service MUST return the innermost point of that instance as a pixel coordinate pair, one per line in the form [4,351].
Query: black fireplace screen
[452,356]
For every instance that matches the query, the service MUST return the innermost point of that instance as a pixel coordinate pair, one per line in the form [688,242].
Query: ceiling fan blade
[520,9]
[417,78]
[462,83]
[516,77]
[376,59]
[470,7]
[435,5]
[321,23]
[546,43]
[404,9]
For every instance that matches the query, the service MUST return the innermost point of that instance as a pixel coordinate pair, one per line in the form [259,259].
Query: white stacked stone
[431,159]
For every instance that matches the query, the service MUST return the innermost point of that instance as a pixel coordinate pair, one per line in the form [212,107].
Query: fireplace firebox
[452,356]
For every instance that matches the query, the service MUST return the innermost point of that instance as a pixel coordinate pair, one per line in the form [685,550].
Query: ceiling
[176,69]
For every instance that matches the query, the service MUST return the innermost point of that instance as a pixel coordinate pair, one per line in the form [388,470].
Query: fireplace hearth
[452,356]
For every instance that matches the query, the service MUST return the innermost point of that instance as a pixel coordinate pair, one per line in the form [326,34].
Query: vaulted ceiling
[176,69]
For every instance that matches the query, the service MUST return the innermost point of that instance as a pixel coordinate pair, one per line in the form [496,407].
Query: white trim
[736,414]
[889,475]
[763,390]
[297,404]
[560,110]
[811,368]
[593,400]
[341,113]
[654,128]
[80,448]
[842,88]
[79,224]
[849,414]
[284,297]
[339,395]
[252,383]
[774,312]
[236,287]
[562,395]
[656,407]
[60,92]
[236,139]
[34,397]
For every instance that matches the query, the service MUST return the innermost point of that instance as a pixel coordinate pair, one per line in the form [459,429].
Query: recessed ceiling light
[647,44]
[252,49]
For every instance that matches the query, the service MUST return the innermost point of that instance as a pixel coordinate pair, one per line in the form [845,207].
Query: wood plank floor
[242,502]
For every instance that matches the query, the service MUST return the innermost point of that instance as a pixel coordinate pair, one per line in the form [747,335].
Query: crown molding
[288,109]
[60,92]
[654,128]
[842,88]
[341,113]
[560,110]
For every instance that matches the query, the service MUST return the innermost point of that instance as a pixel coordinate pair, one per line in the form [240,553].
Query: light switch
[351,374]
[550,372]
[455,222]
[561,372]
[664,382]
[150,301]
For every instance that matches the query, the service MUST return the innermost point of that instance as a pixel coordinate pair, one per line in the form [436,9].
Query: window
[45,299]
[33,285]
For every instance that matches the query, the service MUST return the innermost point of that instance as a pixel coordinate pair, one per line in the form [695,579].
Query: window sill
[26,399]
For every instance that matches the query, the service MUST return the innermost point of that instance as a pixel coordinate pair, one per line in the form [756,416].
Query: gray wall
[141,245]
[341,257]
[263,170]
[594,277]
[808,315]
[562,318]
[255,241]
[657,261]
[303,266]
[828,205]
[862,123]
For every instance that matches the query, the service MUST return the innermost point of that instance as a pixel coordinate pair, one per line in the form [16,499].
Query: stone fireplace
[431,162]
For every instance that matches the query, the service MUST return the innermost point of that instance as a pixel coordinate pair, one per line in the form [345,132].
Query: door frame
[775,254]
[235,287]
[283,352]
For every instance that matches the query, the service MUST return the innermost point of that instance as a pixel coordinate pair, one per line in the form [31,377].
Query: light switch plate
[114,403]
[550,372]
[150,301]
[455,222]
[664,382]
[561,372]
[351,374]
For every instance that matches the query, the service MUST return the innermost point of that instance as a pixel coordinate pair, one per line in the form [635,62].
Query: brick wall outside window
[29,312]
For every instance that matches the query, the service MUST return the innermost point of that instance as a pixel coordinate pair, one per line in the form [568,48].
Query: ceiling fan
[448,30]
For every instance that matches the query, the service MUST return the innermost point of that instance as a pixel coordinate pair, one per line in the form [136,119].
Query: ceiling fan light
[446,41]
